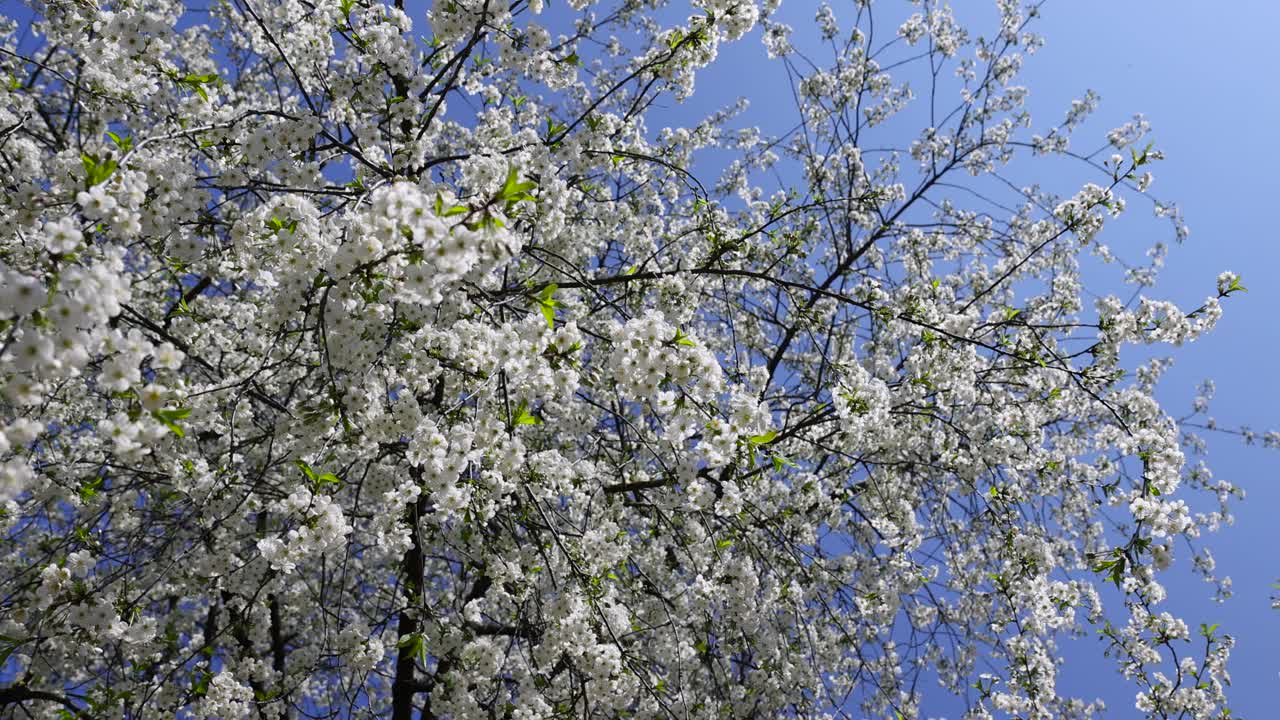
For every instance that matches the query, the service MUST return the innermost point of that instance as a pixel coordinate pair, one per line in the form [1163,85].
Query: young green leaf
[524,417]
[547,305]
[124,143]
[171,417]
[96,172]
[306,470]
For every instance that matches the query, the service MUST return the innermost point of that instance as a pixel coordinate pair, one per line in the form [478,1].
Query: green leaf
[764,438]
[524,417]
[195,82]
[275,224]
[125,144]
[554,128]
[682,339]
[89,488]
[547,305]
[306,470]
[416,645]
[451,211]
[514,191]
[95,171]
[201,686]
[171,417]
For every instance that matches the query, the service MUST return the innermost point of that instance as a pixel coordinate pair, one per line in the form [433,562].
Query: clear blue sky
[1205,76]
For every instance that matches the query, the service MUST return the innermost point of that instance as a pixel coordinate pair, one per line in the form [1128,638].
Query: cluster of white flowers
[941,27]
[734,18]
[651,355]
[324,528]
[862,402]
[227,698]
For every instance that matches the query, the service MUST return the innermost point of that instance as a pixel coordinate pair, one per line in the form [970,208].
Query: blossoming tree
[361,360]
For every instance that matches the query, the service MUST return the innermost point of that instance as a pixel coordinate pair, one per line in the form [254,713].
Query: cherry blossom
[364,360]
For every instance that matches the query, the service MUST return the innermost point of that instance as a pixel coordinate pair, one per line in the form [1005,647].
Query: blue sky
[1203,73]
